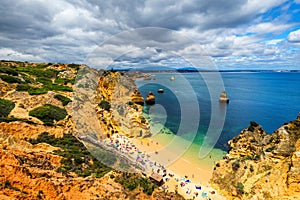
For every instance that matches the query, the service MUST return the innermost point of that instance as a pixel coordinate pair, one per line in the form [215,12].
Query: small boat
[160,90]
[172,78]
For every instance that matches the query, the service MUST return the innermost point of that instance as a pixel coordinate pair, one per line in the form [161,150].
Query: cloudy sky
[236,34]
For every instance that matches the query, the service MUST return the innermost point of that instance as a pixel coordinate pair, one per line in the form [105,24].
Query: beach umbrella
[188,181]
[204,194]
[198,187]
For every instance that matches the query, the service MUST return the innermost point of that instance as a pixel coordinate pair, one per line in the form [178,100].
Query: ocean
[190,108]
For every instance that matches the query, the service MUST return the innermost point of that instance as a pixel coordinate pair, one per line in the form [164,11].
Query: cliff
[120,106]
[41,105]
[261,165]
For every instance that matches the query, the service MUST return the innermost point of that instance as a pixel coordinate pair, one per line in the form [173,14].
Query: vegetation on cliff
[10,79]
[76,158]
[133,181]
[56,165]
[30,77]
[48,113]
[104,105]
[6,107]
[64,100]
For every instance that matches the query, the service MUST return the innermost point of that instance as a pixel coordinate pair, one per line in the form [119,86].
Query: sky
[225,34]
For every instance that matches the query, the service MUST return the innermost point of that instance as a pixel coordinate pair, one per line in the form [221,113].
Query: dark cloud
[70,30]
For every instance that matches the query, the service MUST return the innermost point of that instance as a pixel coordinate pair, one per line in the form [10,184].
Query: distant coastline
[192,70]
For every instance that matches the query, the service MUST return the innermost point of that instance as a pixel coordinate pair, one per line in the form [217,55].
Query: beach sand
[185,167]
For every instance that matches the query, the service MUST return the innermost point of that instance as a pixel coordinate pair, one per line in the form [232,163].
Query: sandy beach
[184,170]
[181,175]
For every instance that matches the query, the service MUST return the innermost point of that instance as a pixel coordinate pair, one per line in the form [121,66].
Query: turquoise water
[186,106]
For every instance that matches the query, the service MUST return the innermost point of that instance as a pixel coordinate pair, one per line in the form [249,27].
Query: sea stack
[223,97]
[150,99]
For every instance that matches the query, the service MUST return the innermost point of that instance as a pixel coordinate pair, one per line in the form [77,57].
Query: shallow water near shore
[269,98]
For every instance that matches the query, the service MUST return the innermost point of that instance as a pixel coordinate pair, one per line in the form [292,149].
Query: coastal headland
[71,132]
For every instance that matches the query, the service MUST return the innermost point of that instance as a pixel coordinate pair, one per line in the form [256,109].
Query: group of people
[125,146]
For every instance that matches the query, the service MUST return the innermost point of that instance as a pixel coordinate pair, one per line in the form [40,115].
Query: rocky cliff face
[261,165]
[45,161]
[120,106]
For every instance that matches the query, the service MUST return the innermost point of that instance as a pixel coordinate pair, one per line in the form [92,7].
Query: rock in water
[150,99]
[223,97]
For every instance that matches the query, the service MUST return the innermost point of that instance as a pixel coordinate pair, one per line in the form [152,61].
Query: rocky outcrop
[5,88]
[150,99]
[35,170]
[137,98]
[261,165]
[32,176]
[125,116]
[223,97]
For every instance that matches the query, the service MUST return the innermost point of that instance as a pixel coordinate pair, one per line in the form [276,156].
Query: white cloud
[294,36]
[268,27]
[274,42]
[10,54]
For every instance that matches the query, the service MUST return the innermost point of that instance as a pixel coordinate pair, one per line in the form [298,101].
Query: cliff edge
[41,105]
[261,165]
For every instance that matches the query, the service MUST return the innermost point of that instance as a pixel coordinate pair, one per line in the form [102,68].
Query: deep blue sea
[190,103]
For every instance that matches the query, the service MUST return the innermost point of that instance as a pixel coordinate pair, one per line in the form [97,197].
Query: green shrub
[64,81]
[76,158]
[13,119]
[132,181]
[7,185]
[62,88]
[130,103]
[75,66]
[10,79]
[6,107]
[143,120]
[48,113]
[104,105]
[43,65]
[256,157]
[235,165]
[240,188]
[44,80]
[8,70]
[37,91]
[270,149]
[38,72]
[64,100]
[23,87]
[251,168]
[27,78]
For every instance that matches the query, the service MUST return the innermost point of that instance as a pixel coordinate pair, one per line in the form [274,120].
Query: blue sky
[237,34]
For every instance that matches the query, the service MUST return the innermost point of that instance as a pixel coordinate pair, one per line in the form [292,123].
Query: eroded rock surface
[261,165]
